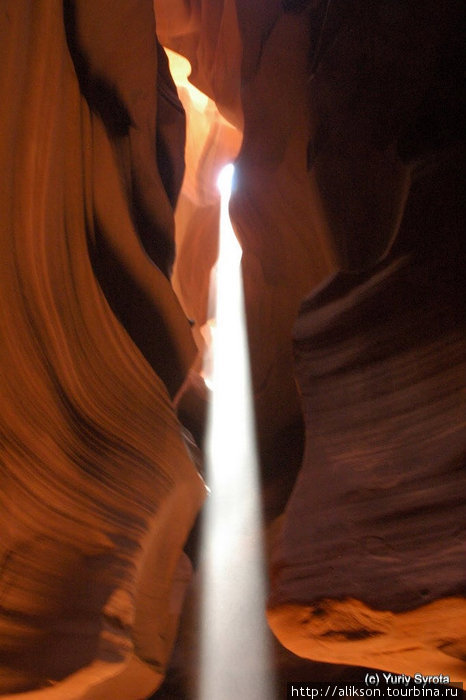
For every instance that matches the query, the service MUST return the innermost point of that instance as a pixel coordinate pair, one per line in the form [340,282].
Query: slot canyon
[345,125]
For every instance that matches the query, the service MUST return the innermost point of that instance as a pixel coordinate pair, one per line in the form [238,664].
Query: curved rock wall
[369,567]
[98,489]
[240,56]
[349,160]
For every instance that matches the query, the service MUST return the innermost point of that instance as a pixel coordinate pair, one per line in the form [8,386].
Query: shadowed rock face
[98,489]
[241,58]
[349,161]
[380,497]
[369,567]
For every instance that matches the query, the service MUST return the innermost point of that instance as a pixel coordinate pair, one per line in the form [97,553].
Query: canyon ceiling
[345,121]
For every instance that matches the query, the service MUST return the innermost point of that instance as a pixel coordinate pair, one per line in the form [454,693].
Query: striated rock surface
[206,32]
[284,256]
[369,568]
[380,499]
[349,155]
[240,56]
[211,143]
[350,124]
[98,489]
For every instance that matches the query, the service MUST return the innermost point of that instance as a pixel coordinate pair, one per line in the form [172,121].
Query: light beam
[234,652]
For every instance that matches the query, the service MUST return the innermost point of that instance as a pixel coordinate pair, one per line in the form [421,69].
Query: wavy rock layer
[370,564]
[240,56]
[349,154]
[98,489]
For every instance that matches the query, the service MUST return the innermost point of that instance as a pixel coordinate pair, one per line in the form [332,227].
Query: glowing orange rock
[98,489]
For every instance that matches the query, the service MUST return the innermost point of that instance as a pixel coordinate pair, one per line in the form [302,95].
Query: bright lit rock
[98,489]
[350,123]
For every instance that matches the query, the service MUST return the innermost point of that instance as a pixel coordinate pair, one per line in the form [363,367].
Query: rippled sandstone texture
[98,488]
[241,57]
[370,565]
[334,168]
[352,159]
